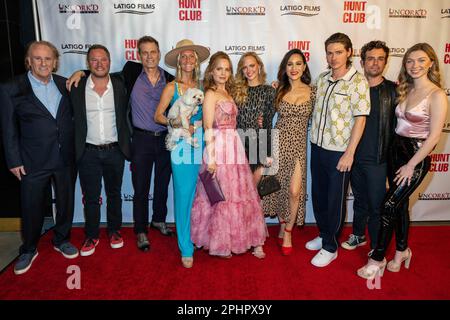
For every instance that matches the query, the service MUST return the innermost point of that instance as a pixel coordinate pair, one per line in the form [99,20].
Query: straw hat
[185,44]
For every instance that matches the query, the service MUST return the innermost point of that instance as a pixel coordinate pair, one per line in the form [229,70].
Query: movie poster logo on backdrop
[393,52]
[131,50]
[407,13]
[303,45]
[447,53]
[78,8]
[134,8]
[190,10]
[445,13]
[75,48]
[245,10]
[434,196]
[439,162]
[299,10]
[362,13]
[240,50]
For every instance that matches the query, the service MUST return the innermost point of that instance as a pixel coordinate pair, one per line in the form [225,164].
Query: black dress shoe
[163,228]
[142,242]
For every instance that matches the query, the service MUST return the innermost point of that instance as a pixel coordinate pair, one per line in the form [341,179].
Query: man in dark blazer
[145,82]
[102,143]
[38,132]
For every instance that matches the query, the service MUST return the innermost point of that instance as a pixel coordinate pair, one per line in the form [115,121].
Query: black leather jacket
[386,128]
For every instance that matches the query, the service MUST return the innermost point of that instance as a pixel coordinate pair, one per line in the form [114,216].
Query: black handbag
[268,185]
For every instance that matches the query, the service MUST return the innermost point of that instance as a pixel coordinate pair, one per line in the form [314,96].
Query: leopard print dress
[292,139]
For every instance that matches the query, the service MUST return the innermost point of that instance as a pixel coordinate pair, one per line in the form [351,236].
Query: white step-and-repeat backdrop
[270,28]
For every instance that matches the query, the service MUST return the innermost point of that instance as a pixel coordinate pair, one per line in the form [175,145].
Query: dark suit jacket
[129,74]
[31,136]
[78,97]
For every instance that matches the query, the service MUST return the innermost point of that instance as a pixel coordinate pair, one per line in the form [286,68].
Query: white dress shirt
[100,115]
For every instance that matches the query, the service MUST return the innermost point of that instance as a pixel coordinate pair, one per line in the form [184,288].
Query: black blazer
[31,136]
[78,97]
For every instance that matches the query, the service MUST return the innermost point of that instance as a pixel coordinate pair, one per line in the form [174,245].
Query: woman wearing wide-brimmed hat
[185,58]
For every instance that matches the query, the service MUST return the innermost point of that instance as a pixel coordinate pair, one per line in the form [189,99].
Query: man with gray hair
[38,135]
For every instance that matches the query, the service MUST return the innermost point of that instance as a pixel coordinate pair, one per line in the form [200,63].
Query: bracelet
[169,123]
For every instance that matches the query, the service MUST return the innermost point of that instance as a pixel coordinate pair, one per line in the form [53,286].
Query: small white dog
[185,107]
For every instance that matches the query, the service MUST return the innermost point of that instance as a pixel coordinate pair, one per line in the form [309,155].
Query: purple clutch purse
[212,187]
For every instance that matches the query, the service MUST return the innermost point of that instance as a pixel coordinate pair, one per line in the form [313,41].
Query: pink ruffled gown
[236,224]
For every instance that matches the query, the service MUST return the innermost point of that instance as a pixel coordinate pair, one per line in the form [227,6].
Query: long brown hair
[283,80]
[405,81]
[208,81]
[240,91]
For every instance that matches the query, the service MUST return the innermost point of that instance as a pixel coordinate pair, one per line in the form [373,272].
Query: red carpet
[129,274]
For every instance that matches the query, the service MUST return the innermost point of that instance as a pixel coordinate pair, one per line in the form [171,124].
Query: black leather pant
[394,213]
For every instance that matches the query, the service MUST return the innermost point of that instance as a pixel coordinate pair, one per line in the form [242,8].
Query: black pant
[33,190]
[93,166]
[146,150]
[368,181]
[329,193]
[394,214]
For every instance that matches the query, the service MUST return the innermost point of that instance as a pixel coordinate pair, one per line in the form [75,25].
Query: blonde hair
[240,90]
[405,81]
[208,81]
[195,75]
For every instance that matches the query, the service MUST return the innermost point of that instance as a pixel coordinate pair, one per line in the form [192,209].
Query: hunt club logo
[75,48]
[240,50]
[299,10]
[303,45]
[407,13]
[447,54]
[439,162]
[190,10]
[354,12]
[134,8]
[445,13]
[393,52]
[78,8]
[246,11]
[434,196]
[131,50]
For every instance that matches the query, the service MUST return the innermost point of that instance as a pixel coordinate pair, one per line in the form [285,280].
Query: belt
[152,133]
[101,147]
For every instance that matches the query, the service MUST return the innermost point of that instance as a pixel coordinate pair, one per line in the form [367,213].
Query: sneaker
[315,244]
[24,262]
[142,242]
[88,247]
[353,242]
[115,240]
[323,258]
[67,249]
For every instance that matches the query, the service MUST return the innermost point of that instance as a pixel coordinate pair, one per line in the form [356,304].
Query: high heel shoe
[372,269]
[187,262]
[281,232]
[286,251]
[258,252]
[400,256]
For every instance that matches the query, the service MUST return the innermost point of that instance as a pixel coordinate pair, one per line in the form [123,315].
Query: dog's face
[193,97]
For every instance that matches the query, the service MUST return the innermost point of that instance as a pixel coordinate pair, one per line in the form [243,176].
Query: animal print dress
[292,139]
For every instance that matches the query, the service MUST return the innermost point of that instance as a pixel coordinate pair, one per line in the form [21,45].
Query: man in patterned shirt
[338,120]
